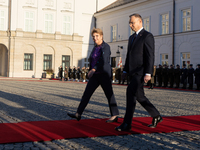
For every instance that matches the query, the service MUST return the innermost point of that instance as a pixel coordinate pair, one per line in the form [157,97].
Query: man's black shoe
[76,116]
[155,121]
[124,127]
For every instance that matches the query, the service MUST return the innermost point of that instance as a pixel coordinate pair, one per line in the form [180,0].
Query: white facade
[45,27]
[158,14]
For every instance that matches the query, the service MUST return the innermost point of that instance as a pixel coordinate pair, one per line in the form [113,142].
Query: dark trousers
[106,84]
[135,92]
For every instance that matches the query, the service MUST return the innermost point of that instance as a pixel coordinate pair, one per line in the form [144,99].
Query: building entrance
[3,60]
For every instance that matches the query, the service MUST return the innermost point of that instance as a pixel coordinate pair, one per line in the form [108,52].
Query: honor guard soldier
[190,76]
[119,75]
[165,75]
[66,74]
[171,76]
[184,74]
[78,74]
[60,72]
[177,74]
[74,73]
[159,75]
[197,76]
[153,81]
[83,74]
[113,74]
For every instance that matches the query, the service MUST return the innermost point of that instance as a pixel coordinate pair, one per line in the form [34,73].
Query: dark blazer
[103,64]
[140,55]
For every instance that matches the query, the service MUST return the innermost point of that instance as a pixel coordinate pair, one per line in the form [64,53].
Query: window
[186,20]
[48,23]
[185,59]
[67,5]
[165,23]
[164,59]
[47,62]
[114,33]
[28,61]
[65,61]
[30,2]
[113,61]
[29,21]
[49,3]
[86,62]
[2,20]
[67,25]
[146,24]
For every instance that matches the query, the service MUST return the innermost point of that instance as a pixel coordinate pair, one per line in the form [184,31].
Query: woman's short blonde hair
[96,30]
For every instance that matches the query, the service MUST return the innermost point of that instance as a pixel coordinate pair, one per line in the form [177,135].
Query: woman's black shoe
[110,121]
[76,116]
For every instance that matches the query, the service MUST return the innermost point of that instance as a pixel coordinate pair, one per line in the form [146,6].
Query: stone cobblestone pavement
[34,100]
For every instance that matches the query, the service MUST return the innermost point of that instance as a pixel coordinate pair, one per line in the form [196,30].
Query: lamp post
[118,52]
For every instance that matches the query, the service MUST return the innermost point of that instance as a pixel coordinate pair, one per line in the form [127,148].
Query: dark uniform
[177,74]
[60,72]
[197,76]
[171,76]
[159,75]
[119,75]
[74,73]
[70,73]
[165,75]
[66,74]
[190,76]
[78,73]
[184,74]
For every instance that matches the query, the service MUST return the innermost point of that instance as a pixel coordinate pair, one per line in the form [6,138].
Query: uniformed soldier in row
[171,76]
[60,72]
[177,74]
[190,76]
[66,74]
[78,74]
[197,76]
[184,75]
[165,75]
[70,73]
[119,75]
[113,74]
[159,75]
[83,74]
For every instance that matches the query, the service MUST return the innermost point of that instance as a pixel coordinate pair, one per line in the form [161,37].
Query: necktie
[134,37]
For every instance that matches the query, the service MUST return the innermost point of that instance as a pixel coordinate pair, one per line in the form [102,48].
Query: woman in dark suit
[99,74]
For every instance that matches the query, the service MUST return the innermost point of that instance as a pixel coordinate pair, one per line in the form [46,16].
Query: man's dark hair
[136,15]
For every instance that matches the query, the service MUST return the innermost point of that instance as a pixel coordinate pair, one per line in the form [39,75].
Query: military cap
[198,64]
[184,64]
[177,65]
[191,64]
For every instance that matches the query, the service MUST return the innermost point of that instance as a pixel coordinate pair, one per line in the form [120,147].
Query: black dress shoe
[124,127]
[110,121]
[155,121]
[76,116]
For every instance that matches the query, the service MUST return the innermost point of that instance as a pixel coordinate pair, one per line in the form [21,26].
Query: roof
[116,4]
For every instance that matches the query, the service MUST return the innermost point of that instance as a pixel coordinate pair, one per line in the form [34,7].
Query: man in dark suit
[139,64]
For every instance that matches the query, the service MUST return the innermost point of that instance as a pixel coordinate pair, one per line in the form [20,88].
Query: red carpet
[63,129]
